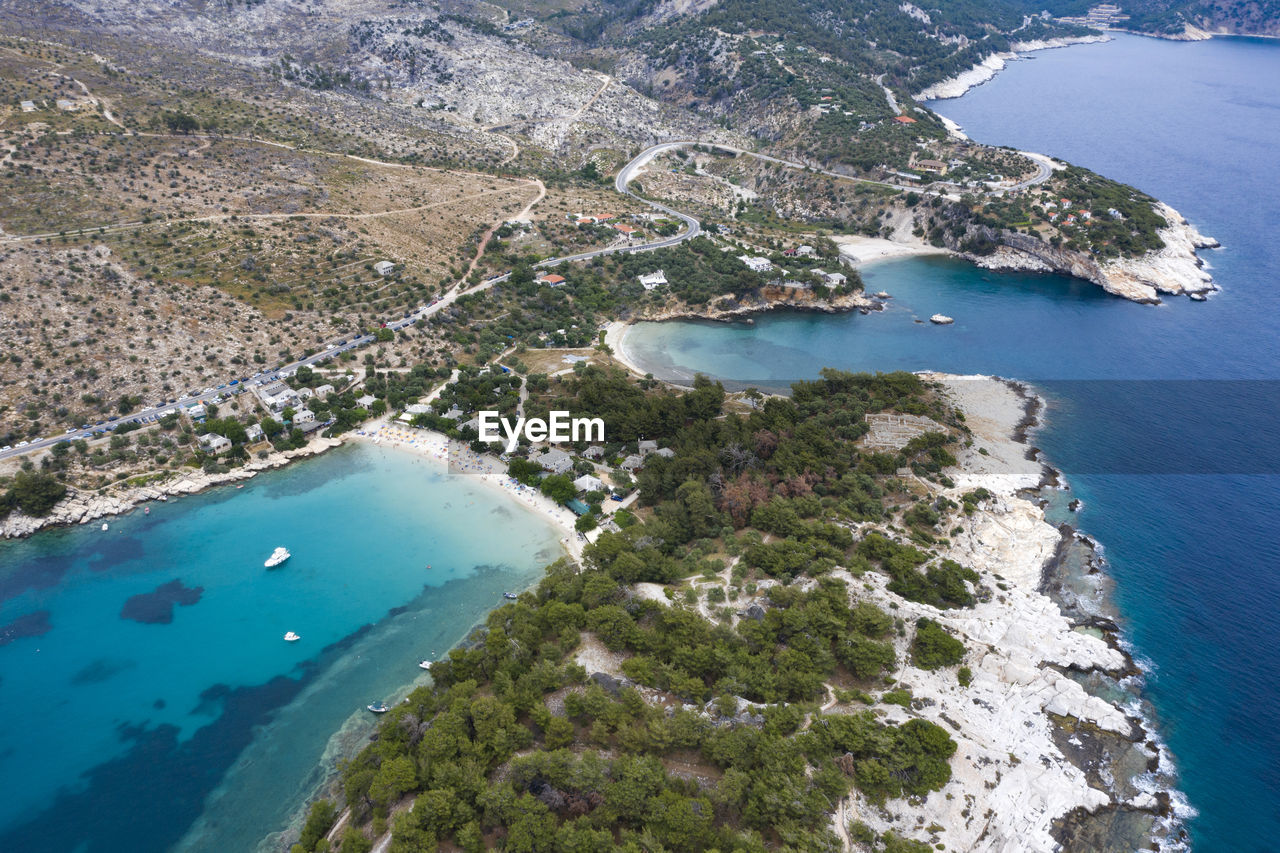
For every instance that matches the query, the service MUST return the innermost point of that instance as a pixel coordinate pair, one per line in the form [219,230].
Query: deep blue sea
[1164,418]
[148,700]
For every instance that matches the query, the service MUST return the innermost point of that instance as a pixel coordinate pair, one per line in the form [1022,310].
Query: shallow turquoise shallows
[1179,478]
[122,731]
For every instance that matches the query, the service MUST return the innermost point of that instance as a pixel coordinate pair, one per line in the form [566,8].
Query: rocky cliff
[1175,269]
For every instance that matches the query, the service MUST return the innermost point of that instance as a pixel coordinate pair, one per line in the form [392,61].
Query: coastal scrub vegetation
[708,731]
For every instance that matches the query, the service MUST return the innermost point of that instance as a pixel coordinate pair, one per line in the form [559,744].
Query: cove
[1187,510]
[207,731]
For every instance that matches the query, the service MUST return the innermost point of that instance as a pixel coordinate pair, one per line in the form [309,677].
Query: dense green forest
[712,735]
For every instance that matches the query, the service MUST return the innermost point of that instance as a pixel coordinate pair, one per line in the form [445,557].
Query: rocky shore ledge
[1043,763]
[82,507]
[954,87]
[1176,269]
[771,298]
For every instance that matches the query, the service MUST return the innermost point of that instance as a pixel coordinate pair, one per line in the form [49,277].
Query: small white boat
[424,664]
[146,510]
[377,708]
[277,557]
[510,596]
[104,527]
[941,320]
[291,637]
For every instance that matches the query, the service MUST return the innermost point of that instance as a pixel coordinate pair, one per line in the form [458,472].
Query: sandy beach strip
[485,469]
[861,250]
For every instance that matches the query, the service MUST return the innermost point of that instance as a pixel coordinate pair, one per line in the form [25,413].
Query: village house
[323,391]
[588,483]
[799,252]
[277,396]
[384,267]
[551,279]
[196,412]
[625,230]
[215,444]
[303,416]
[595,451]
[653,280]
[647,447]
[830,279]
[553,459]
[254,434]
[366,401]
[665,453]
[632,463]
[937,167]
[756,264]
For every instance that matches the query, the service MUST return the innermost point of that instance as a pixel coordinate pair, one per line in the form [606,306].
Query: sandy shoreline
[484,469]
[864,250]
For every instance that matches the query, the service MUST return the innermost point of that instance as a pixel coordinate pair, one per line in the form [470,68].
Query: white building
[653,280]
[323,391]
[213,443]
[588,483]
[554,460]
[831,279]
[254,433]
[303,416]
[756,264]
[384,267]
[277,396]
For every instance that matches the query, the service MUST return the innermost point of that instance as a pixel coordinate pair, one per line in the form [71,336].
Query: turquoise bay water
[1178,478]
[117,734]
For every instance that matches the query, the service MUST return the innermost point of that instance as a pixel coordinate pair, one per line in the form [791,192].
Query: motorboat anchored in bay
[277,557]
[377,707]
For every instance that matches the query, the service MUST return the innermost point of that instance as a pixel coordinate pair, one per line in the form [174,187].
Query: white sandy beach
[615,337]
[863,250]
[484,469]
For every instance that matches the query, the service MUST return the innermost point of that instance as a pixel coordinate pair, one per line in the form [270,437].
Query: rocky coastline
[83,506]
[954,87]
[729,309]
[1055,753]
[1175,269]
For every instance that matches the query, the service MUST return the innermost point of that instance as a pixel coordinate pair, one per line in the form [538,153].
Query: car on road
[71,429]
[7,447]
[23,443]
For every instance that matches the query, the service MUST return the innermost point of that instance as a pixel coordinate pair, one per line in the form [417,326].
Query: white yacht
[424,664]
[941,320]
[377,708]
[277,557]
[291,637]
